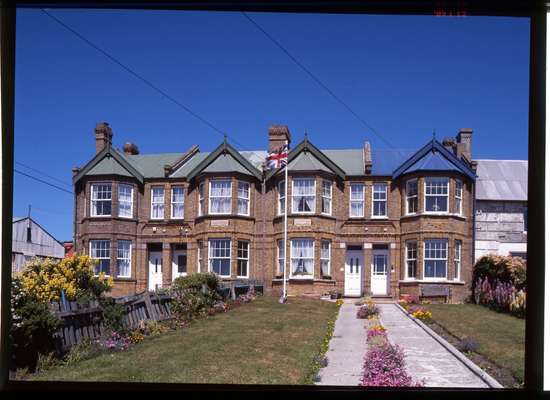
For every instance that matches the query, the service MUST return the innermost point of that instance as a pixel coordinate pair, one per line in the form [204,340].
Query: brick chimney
[103,136]
[278,134]
[130,149]
[464,143]
[367,157]
[450,144]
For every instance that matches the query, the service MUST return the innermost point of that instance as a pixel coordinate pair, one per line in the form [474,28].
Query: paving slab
[425,357]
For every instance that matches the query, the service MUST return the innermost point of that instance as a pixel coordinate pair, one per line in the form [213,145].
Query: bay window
[357,200]
[303,195]
[100,250]
[282,194]
[436,197]
[410,260]
[325,257]
[220,197]
[379,199]
[412,196]
[219,256]
[326,205]
[243,248]
[301,257]
[157,202]
[101,200]
[178,198]
[280,257]
[125,200]
[124,258]
[458,196]
[435,259]
[457,259]
[243,198]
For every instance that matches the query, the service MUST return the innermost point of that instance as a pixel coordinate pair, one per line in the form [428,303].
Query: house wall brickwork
[264,227]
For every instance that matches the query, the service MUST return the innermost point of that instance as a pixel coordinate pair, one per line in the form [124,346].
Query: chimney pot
[464,143]
[367,157]
[130,148]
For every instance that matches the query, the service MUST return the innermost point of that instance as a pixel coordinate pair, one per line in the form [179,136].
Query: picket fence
[81,322]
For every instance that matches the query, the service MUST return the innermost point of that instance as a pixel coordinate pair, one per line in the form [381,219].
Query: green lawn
[261,342]
[501,337]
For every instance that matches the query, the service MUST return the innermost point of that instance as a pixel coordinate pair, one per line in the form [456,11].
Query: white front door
[379,272]
[353,273]
[179,263]
[155,270]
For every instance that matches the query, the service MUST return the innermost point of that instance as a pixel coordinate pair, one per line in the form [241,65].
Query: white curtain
[302,256]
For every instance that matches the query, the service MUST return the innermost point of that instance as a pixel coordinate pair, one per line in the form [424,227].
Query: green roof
[307,162]
[108,166]
[151,165]
[226,163]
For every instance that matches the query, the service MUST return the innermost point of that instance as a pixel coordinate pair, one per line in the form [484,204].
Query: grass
[262,342]
[501,337]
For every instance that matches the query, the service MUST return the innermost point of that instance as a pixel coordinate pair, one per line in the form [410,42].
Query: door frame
[149,252]
[386,252]
[174,260]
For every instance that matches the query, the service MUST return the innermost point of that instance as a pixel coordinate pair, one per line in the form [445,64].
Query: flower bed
[384,362]
[500,296]
[368,310]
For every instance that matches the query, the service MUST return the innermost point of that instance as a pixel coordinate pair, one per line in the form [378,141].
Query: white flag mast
[286,224]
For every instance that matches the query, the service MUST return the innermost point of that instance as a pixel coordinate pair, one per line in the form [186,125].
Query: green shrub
[32,327]
[505,269]
[46,361]
[195,281]
[87,348]
[113,314]
[188,305]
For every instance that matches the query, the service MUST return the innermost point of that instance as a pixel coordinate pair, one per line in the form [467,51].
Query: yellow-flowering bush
[45,279]
[339,302]
[518,304]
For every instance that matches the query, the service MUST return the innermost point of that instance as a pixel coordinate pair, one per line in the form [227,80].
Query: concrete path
[347,349]
[425,357]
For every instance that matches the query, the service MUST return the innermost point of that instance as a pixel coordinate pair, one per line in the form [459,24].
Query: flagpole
[286,223]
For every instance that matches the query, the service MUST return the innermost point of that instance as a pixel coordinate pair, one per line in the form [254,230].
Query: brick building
[360,221]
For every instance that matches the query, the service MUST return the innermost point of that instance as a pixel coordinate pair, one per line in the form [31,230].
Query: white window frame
[210,197]
[108,249]
[327,259]
[280,257]
[158,203]
[200,190]
[243,199]
[411,197]
[459,195]
[247,259]
[93,201]
[314,195]
[302,276]
[362,200]
[324,196]
[131,187]
[445,248]
[281,195]
[457,261]
[210,258]
[426,195]
[385,200]
[172,202]
[408,259]
[128,259]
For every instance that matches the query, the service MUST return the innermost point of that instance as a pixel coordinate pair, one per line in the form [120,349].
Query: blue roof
[385,161]
[432,161]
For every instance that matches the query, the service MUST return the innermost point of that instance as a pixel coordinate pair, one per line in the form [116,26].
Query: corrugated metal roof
[501,180]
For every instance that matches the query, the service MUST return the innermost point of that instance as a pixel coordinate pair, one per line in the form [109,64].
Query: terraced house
[380,221]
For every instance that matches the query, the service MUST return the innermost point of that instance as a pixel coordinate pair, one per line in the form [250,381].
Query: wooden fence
[81,322]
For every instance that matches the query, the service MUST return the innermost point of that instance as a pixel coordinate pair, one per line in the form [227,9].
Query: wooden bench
[435,291]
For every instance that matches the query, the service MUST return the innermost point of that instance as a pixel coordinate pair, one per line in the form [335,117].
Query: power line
[141,78]
[317,80]
[42,173]
[43,181]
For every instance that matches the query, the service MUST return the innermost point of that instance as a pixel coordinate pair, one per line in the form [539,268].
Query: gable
[307,162]
[226,163]
[105,162]
[108,166]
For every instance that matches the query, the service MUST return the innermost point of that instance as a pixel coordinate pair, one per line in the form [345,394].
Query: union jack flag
[278,157]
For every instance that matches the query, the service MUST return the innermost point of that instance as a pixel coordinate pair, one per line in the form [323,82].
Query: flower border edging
[485,377]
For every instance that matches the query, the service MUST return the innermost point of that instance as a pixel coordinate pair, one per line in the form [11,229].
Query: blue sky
[404,75]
